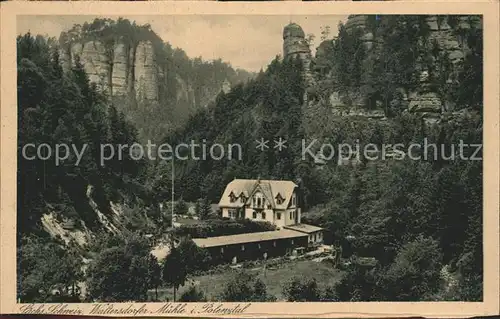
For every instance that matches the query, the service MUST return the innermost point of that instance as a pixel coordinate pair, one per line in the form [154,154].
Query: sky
[249,42]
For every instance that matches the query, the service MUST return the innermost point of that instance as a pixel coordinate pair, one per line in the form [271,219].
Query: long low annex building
[252,246]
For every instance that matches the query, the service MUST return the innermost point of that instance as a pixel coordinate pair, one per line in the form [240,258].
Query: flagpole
[173,178]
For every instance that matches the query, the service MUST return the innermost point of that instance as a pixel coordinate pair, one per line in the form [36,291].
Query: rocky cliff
[295,46]
[121,69]
[440,39]
[148,78]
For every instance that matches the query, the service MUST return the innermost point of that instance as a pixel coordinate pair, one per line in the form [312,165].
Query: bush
[245,287]
[301,289]
[223,227]
[193,295]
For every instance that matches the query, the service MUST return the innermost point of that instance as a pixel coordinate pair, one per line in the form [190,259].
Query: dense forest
[418,219]
[414,217]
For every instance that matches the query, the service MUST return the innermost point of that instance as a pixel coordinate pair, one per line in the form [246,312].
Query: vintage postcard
[250,159]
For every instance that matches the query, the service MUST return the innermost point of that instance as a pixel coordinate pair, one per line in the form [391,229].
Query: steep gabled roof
[268,188]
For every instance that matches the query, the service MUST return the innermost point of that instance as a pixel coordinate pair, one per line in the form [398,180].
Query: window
[279,199]
[274,243]
[290,215]
[242,199]
[259,200]
[222,250]
[292,242]
[242,247]
[293,200]
[232,198]
[254,215]
[278,215]
[263,215]
[269,206]
[259,246]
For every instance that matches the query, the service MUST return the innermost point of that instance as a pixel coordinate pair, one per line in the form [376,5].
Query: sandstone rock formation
[146,72]
[119,69]
[359,22]
[442,33]
[422,100]
[97,63]
[119,76]
[294,43]
[155,85]
[296,46]
[133,70]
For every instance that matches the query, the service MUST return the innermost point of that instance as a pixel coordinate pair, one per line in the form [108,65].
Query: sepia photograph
[248,158]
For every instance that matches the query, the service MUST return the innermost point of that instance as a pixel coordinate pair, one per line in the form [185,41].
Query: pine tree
[174,270]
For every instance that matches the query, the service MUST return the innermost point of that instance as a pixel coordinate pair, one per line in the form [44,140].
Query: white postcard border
[8,151]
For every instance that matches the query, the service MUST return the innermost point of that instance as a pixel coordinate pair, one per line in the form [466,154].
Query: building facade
[271,201]
[252,246]
[314,233]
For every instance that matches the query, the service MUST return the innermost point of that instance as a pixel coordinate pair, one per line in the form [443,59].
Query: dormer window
[258,200]
[243,199]
[232,197]
[279,199]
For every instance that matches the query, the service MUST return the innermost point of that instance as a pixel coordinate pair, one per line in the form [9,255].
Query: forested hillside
[57,107]
[413,216]
[65,207]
